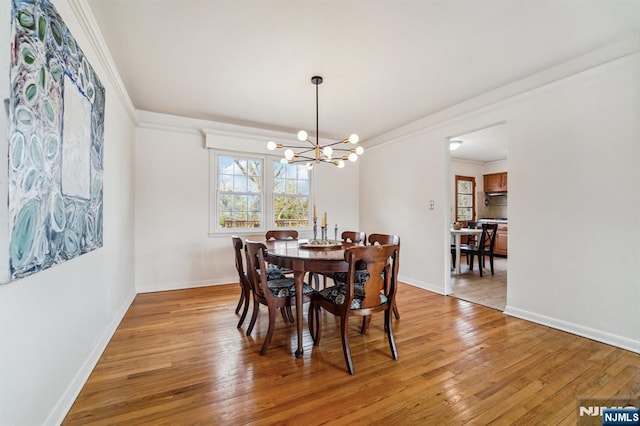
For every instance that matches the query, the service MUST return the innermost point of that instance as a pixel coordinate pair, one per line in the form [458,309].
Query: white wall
[497,166]
[573,145]
[55,324]
[576,146]
[397,182]
[173,249]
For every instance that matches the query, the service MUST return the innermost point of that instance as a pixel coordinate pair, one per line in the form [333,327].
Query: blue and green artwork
[55,148]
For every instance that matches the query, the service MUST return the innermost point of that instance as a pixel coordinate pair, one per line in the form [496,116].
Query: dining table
[302,257]
[457,234]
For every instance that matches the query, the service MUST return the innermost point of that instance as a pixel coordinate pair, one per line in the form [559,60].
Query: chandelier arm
[306,150]
[335,143]
[305,160]
[289,146]
[298,147]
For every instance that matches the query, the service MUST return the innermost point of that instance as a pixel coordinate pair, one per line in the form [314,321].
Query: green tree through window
[239,192]
[465,200]
[290,195]
[245,187]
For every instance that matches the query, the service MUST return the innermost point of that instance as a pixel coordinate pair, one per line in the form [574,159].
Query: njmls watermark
[609,411]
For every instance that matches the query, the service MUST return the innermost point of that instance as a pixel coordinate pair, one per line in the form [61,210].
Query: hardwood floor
[178,358]
[489,290]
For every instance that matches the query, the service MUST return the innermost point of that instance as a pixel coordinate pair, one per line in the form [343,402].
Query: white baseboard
[422,284]
[589,333]
[142,288]
[67,399]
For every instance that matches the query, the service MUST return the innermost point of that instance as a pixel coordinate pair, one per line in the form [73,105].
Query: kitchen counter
[494,220]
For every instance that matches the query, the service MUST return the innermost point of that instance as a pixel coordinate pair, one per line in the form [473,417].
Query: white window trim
[268,221]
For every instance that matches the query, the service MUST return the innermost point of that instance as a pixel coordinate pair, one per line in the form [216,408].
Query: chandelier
[317,153]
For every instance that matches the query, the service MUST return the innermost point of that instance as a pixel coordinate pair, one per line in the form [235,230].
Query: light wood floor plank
[178,358]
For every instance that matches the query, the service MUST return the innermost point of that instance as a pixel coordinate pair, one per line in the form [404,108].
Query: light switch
[432,204]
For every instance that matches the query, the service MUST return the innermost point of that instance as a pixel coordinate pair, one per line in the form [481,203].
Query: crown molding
[83,14]
[214,130]
[584,63]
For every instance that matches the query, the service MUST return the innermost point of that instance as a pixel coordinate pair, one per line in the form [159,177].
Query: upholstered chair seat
[286,287]
[337,294]
[341,277]
[274,273]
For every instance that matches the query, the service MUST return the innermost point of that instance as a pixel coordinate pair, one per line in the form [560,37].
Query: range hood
[495,194]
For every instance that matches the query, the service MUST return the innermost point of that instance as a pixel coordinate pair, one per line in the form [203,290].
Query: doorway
[481,152]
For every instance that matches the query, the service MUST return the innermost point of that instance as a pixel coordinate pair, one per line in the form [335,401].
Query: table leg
[458,260]
[298,276]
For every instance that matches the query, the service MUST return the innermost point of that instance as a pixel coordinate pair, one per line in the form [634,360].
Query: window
[465,200]
[290,195]
[239,200]
[252,193]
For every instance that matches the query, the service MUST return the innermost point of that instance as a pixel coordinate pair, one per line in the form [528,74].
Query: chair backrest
[381,263]
[472,240]
[354,237]
[384,239]
[281,234]
[254,252]
[488,238]
[238,246]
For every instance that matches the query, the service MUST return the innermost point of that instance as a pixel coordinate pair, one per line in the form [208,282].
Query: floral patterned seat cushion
[361,276]
[338,293]
[273,273]
[286,287]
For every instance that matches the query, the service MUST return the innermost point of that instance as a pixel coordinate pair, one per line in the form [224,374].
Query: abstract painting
[55,146]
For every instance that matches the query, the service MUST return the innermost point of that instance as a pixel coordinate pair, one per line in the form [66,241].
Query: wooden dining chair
[273,273]
[357,237]
[281,234]
[245,289]
[288,234]
[275,294]
[376,294]
[466,239]
[483,248]
[387,239]
[472,239]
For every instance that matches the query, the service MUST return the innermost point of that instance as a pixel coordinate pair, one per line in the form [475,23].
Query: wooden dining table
[300,257]
[457,234]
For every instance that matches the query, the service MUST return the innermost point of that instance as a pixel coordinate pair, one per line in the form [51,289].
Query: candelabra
[315,228]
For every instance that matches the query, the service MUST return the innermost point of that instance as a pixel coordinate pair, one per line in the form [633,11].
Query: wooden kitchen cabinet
[501,240]
[495,182]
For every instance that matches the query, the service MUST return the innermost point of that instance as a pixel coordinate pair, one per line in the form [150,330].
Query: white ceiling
[385,63]
[488,144]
